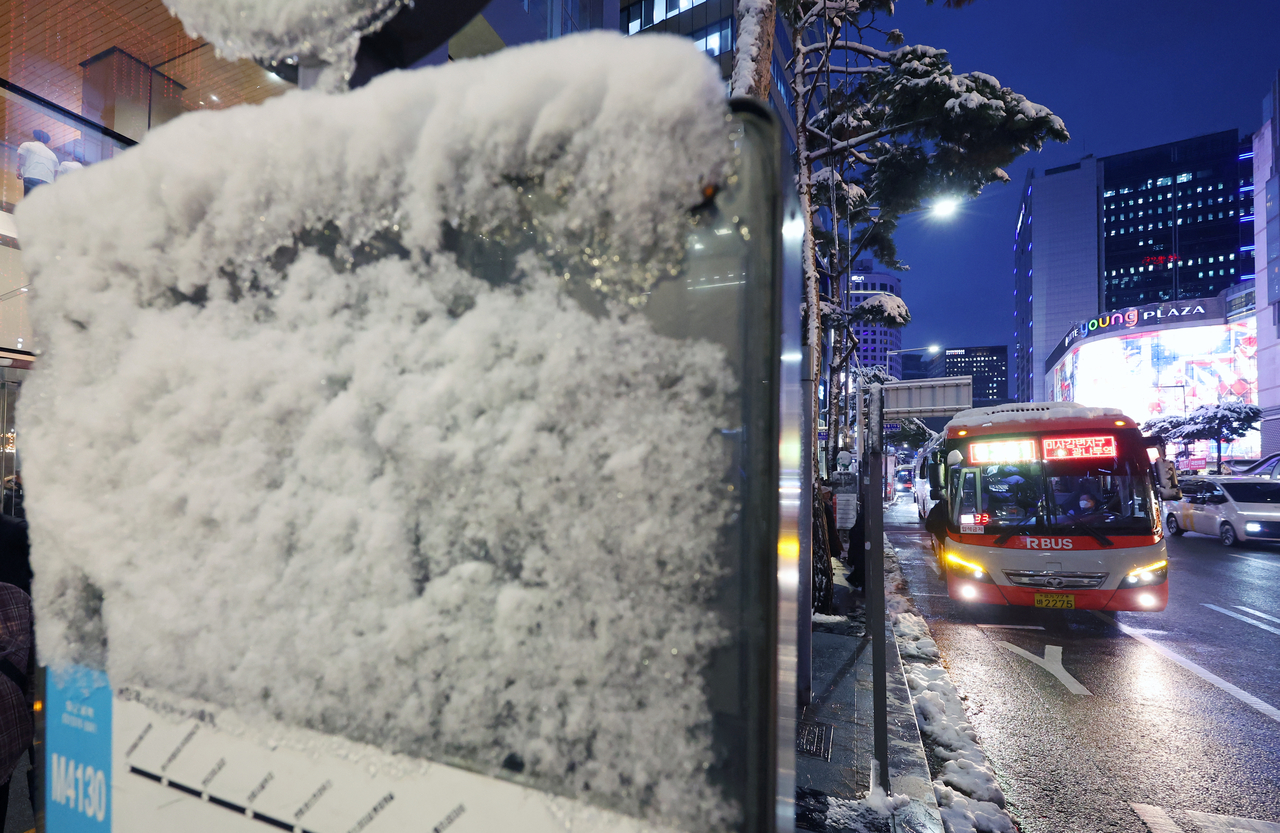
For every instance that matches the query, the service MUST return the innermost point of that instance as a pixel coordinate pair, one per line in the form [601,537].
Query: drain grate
[814,739]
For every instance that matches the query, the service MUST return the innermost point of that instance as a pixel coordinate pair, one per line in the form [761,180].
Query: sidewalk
[834,750]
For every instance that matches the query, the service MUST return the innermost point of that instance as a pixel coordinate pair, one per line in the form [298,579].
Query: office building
[712,25]
[1266,241]
[1166,223]
[1056,280]
[989,367]
[876,342]
[1176,220]
[914,366]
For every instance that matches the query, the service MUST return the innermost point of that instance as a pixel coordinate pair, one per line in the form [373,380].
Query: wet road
[1173,716]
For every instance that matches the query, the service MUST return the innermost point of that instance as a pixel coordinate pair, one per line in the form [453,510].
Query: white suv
[1235,509]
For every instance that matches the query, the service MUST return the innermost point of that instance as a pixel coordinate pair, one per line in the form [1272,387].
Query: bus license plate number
[1064,601]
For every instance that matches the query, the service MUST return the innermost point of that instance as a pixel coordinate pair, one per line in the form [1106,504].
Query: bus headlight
[1150,574]
[968,569]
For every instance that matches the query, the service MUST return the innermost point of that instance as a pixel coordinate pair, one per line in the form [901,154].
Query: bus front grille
[1055,580]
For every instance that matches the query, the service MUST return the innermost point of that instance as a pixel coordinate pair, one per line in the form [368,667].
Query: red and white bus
[1053,505]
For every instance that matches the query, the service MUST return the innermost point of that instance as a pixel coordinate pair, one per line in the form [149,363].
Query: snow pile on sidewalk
[969,797]
[289,453]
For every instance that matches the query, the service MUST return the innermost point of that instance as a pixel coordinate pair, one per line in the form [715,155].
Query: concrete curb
[908,765]
[842,682]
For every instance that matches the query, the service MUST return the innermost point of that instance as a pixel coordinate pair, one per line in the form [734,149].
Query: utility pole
[874,583]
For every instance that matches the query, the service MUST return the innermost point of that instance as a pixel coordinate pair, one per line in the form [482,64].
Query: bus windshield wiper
[1102,539]
[1015,529]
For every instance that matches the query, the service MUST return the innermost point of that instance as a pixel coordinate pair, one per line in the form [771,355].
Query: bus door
[968,509]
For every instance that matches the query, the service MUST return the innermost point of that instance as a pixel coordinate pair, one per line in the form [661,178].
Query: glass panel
[1253,492]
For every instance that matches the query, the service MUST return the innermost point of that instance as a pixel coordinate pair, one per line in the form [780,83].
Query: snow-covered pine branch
[887,310]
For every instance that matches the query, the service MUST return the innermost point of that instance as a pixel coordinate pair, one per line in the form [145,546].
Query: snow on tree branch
[753,50]
[277,29]
[889,310]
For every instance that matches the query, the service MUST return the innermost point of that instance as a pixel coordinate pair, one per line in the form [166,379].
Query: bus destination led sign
[1078,448]
[1003,451]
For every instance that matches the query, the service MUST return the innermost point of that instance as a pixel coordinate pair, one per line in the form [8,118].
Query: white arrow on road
[1052,663]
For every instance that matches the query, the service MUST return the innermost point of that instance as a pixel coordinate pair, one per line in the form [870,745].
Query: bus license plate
[1064,601]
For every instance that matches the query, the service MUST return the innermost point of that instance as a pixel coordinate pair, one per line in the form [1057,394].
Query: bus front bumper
[1150,598]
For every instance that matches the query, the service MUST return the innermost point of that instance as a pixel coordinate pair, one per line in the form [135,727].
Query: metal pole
[804,598]
[875,581]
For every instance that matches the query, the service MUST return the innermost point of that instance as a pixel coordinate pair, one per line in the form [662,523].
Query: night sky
[1122,74]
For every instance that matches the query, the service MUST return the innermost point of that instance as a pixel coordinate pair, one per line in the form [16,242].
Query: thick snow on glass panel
[345,418]
[278,29]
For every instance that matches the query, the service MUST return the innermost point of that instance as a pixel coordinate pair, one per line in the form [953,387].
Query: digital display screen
[1003,451]
[1078,448]
[981,520]
[1171,371]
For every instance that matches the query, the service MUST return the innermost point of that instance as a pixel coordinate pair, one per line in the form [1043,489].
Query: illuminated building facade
[1057,260]
[1164,358]
[1266,241]
[1165,223]
[875,342]
[1177,220]
[712,24]
[989,367]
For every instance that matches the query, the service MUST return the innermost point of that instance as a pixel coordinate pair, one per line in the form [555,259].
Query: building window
[716,38]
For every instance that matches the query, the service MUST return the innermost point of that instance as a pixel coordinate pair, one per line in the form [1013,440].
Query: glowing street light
[945,207]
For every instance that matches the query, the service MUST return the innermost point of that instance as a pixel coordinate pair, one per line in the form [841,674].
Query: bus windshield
[1098,497]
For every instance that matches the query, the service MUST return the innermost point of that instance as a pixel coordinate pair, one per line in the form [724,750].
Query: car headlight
[1253,526]
[968,569]
[1150,574]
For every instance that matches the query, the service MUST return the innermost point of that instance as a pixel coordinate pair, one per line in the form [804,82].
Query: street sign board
[892,427]
[947,396]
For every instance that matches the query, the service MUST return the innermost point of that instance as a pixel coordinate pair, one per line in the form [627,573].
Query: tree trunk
[753,55]
[804,182]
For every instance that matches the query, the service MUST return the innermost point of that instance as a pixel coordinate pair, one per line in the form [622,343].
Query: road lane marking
[1213,823]
[1254,560]
[1052,662]
[1235,615]
[1156,818]
[1016,627]
[1256,613]
[1213,679]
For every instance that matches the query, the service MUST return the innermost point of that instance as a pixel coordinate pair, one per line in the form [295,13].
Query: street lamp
[945,207]
[932,348]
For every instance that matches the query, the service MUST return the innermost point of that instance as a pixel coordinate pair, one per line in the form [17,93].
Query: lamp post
[932,348]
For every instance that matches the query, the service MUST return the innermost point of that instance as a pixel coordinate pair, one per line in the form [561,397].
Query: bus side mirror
[1167,480]
[1166,471]
[935,478]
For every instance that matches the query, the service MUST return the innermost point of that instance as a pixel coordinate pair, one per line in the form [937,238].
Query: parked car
[1234,508]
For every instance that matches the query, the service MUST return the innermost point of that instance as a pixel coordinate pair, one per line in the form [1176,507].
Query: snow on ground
[966,789]
[289,453]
